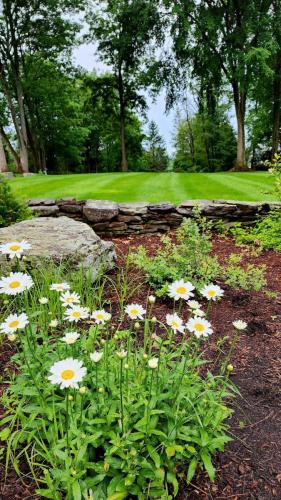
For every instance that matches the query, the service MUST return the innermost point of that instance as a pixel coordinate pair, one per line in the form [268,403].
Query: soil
[250,467]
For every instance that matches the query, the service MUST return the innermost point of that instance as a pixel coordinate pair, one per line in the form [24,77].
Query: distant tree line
[221,56]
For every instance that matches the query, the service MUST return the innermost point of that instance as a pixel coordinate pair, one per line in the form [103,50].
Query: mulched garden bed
[250,468]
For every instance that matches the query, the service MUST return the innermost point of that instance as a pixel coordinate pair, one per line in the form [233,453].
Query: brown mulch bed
[250,468]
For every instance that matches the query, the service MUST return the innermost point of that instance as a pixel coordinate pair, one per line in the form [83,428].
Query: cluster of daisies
[69,372]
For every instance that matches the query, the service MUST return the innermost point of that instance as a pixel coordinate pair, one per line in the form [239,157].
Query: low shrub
[11,210]
[266,233]
[189,257]
[250,277]
[103,408]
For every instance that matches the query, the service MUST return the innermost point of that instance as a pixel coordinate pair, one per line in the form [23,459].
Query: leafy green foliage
[11,210]
[267,232]
[189,257]
[204,143]
[251,277]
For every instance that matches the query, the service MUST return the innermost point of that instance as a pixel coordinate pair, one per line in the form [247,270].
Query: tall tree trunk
[13,152]
[276,107]
[23,136]
[240,110]
[3,160]
[124,160]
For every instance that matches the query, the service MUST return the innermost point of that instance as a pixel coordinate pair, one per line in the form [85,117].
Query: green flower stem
[149,401]
[67,419]
[121,395]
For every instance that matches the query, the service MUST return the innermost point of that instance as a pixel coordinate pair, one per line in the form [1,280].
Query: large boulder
[62,239]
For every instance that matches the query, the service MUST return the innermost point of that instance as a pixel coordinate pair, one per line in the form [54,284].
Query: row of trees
[226,53]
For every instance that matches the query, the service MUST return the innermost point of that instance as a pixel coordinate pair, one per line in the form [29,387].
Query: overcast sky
[87,57]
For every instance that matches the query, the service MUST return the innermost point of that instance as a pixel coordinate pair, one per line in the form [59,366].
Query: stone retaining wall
[108,218]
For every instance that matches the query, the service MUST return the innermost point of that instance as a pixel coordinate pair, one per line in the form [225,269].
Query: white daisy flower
[212,292]
[67,373]
[193,304]
[135,311]
[153,363]
[239,324]
[69,298]
[15,248]
[122,354]
[70,337]
[15,283]
[76,313]
[100,316]
[96,356]
[13,323]
[175,322]
[199,326]
[53,323]
[180,290]
[60,287]
[43,300]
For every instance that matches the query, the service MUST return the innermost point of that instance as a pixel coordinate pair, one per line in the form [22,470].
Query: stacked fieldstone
[110,218]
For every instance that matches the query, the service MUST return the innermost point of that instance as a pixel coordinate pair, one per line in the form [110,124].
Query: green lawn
[153,187]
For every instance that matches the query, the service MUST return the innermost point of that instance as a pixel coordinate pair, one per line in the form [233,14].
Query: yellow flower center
[134,312]
[14,323]
[69,300]
[175,324]
[181,290]
[14,284]
[199,327]
[15,248]
[211,293]
[76,314]
[100,316]
[67,374]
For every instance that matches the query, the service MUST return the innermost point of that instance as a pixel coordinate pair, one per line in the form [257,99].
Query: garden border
[109,218]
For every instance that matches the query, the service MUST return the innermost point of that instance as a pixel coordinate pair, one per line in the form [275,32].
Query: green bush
[267,232]
[11,210]
[250,277]
[189,257]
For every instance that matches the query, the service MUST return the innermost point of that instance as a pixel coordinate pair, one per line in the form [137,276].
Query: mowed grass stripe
[153,187]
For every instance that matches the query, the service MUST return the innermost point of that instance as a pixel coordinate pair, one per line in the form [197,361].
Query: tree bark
[276,107]
[124,160]
[3,160]
[13,152]
[240,110]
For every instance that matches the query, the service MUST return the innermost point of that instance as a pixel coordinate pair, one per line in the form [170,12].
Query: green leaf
[208,464]
[154,455]
[76,491]
[191,469]
[118,495]
[171,478]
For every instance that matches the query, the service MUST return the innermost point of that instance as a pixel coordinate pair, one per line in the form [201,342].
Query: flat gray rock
[136,208]
[100,210]
[62,239]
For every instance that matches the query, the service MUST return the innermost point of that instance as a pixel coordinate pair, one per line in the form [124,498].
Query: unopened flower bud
[70,398]
[115,337]
[106,466]
[126,366]
[151,299]
[101,390]
[83,390]
[12,337]
[137,325]
[230,368]
[154,319]
[6,302]
[145,356]
[102,341]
